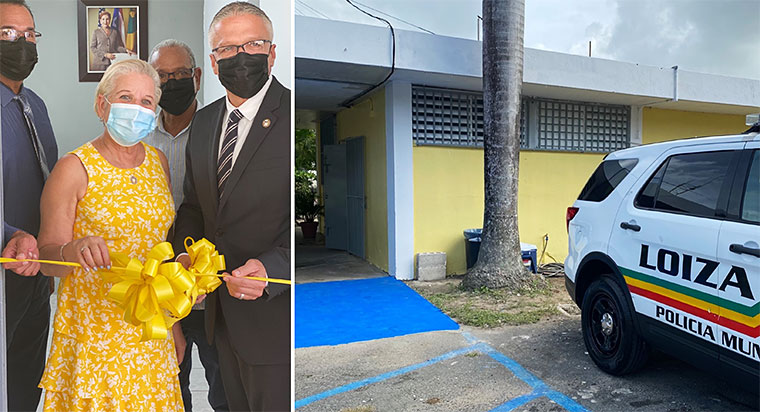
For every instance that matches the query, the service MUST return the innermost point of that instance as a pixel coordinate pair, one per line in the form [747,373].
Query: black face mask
[177,95]
[17,59]
[245,74]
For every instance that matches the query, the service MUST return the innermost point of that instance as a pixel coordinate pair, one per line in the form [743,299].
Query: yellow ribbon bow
[206,263]
[153,295]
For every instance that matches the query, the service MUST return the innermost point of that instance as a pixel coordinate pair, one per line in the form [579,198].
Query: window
[646,197]
[449,117]
[688,183]
[606,178]
[455,118]
[751,201]
[582,127]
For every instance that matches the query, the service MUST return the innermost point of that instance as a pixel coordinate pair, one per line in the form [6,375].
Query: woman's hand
[91,252]
[110,56]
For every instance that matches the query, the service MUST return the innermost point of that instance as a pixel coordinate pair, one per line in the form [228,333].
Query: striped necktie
[38,149]
[224,167]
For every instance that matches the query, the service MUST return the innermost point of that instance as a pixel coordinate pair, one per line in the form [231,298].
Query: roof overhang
[336,61]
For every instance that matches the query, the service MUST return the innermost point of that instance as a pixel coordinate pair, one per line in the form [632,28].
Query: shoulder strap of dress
[89,157]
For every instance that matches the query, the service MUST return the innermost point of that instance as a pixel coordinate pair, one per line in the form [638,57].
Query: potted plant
[307,206]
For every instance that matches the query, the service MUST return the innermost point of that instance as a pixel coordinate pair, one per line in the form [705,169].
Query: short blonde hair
[116,70]
[238,8]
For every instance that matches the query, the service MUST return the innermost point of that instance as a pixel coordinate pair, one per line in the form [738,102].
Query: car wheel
[608,330]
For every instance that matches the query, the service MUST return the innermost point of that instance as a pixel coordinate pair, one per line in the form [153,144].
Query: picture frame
[126,35]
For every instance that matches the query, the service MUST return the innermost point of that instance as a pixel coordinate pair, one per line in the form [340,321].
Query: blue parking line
[518,401]
[513,366]
[537,384]
[567,403]
[470,338]
[379,378]
[539,387]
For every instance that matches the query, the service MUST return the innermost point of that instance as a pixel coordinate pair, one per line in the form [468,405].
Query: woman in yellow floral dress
[112,194]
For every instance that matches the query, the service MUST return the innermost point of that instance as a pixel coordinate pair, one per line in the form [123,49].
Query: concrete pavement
[538,367]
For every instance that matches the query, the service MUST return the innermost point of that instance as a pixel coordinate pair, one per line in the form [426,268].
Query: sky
[708,36]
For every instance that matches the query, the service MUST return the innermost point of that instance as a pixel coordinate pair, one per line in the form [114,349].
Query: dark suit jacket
[251,221]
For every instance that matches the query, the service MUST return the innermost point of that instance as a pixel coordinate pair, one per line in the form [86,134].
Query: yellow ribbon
[153,295]
[156,294]
[50,262]
[204,256]
[205,260]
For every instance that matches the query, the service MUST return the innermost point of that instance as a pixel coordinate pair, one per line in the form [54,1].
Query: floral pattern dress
[96,361]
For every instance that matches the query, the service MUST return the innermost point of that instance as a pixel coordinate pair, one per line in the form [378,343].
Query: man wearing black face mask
[180,81]
[29,153]
[237,195]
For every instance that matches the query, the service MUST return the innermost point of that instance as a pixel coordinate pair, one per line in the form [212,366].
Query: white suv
[664,252]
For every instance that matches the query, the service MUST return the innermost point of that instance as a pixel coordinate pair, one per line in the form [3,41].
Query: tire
[608,329]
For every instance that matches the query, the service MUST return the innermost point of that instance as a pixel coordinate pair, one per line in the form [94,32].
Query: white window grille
[455,118]
[582,127]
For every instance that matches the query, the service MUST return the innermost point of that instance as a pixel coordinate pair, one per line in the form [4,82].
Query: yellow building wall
[448,186]
[367,119]
[660,125]
[448,198]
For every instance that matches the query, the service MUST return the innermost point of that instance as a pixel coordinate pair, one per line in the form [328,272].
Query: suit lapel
[255,137]
[213,148]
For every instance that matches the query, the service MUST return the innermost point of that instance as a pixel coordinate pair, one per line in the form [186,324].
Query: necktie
[38,149]
[224,167]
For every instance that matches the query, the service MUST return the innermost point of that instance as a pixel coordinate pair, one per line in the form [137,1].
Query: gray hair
[238,8]
[173,43]
[116,70]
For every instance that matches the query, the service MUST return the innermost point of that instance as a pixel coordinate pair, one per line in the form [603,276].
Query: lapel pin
[266,123]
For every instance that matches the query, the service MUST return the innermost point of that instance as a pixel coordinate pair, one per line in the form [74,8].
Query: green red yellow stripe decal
[729,314]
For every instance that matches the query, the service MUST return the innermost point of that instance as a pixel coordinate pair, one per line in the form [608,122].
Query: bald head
[172,46]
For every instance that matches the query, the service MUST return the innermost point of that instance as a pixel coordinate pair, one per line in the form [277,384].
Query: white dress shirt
[248,109]
[174,149]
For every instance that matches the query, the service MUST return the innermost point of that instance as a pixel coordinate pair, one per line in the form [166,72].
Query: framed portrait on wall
[109,31]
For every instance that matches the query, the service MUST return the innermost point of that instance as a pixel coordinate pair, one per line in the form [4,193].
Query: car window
[646,197]
[751,202]
[605,179]
[687,183]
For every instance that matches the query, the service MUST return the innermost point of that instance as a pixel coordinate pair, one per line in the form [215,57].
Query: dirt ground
[489,308]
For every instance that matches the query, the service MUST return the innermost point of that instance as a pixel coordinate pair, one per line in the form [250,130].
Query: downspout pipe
[675,83]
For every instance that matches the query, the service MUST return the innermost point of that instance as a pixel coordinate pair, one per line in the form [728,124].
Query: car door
[664,241]
[739,282]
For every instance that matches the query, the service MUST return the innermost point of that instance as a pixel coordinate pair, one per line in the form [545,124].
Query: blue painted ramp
[333,313]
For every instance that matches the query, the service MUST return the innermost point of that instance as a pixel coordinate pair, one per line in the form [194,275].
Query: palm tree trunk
[499,262]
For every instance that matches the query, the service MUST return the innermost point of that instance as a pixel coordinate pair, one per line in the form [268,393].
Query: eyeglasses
[252,47]
[11,34]
[178,74]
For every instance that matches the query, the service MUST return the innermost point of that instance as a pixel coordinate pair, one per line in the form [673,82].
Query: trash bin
[528,253]
[472,246]
[472,249]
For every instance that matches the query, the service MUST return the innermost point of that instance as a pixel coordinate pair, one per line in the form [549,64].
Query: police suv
[664,252]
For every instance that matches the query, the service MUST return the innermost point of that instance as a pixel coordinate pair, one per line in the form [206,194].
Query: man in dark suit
[237,195]
[29,153]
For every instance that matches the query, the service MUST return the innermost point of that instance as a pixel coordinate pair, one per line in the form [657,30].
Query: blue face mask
[129,123]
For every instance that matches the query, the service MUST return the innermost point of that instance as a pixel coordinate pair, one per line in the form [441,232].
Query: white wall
[279,11]
[56,76]
[281,14]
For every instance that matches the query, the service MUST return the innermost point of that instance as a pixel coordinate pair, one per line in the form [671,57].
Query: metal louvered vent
[450,118]
[445,117]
